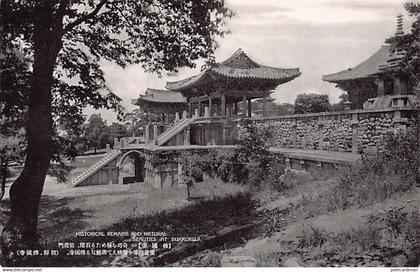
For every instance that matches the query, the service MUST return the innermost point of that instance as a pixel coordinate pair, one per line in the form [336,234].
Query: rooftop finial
[400,23]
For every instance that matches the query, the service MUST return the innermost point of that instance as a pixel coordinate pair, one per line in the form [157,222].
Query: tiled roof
[365,69]
[160,96]
[238,66]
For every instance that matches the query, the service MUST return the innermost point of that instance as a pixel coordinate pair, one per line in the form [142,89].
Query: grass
[396,231]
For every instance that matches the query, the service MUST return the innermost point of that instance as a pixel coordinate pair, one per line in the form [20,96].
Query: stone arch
[138,161]
[121,160]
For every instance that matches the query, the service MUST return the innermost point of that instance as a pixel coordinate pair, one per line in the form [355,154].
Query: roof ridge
[235,57]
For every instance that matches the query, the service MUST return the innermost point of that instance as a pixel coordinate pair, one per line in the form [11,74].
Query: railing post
[206,112]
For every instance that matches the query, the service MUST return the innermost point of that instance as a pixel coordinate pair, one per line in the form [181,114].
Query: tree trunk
[20,231]
[3,165]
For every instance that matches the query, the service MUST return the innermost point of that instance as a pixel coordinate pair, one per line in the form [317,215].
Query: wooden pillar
[189,110]
[399,86]
[199,108]
[163,118]
[210,107]
[264,109]
[381,87]
[147,134]
[223,100]
[236,108]
[244,108]
[249,107]
[229,109]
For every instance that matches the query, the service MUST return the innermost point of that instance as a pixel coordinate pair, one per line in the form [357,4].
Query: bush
[251,163]
[61,171]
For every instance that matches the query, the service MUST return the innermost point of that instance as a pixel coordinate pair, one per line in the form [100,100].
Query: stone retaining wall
[348,131]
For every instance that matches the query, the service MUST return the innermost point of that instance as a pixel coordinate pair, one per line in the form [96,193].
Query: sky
[318,36]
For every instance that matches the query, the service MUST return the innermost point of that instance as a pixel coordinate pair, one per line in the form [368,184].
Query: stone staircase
[174,130]
[109,157]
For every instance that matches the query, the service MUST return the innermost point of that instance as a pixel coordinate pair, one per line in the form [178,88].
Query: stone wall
[348,131]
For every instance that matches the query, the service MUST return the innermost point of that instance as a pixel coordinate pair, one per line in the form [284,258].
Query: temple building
[163,105]
[227,88]
[376,82]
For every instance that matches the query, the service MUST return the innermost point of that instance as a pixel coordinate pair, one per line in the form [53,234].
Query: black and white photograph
[210,133]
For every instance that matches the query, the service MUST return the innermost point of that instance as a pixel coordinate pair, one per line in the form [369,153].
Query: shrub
[61,171]
[314,237]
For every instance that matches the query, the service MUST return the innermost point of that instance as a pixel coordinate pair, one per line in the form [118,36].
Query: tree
[14,77]
[311,103]
[284,108]
[135,121]
[341,105]
[94,131]
[410,44]
[67,39]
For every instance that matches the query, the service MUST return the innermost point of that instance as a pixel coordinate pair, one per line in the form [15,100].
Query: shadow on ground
[201,218]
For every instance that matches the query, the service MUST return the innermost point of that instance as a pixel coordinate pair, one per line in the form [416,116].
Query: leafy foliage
[410,44]
[311,103]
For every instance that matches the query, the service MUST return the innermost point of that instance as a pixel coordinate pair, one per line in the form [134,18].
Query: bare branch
[88,16]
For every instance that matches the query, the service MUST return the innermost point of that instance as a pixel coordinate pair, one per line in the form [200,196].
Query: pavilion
[162,103]
[376,82]
[222,86]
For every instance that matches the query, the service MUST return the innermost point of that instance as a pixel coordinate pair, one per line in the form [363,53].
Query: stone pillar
[354,133]
[321,135]
[264,109]
[294,135]
[381,87]
[116,143]
[176,116]
[187,136]
[155,134]
[399,123]
[184,115]
[223,101]
[197,113]
[179,173]
[206,112]
[147,134]
[244,107]
[249,108]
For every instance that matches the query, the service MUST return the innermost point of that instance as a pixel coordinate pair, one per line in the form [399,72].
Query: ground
[280,230]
